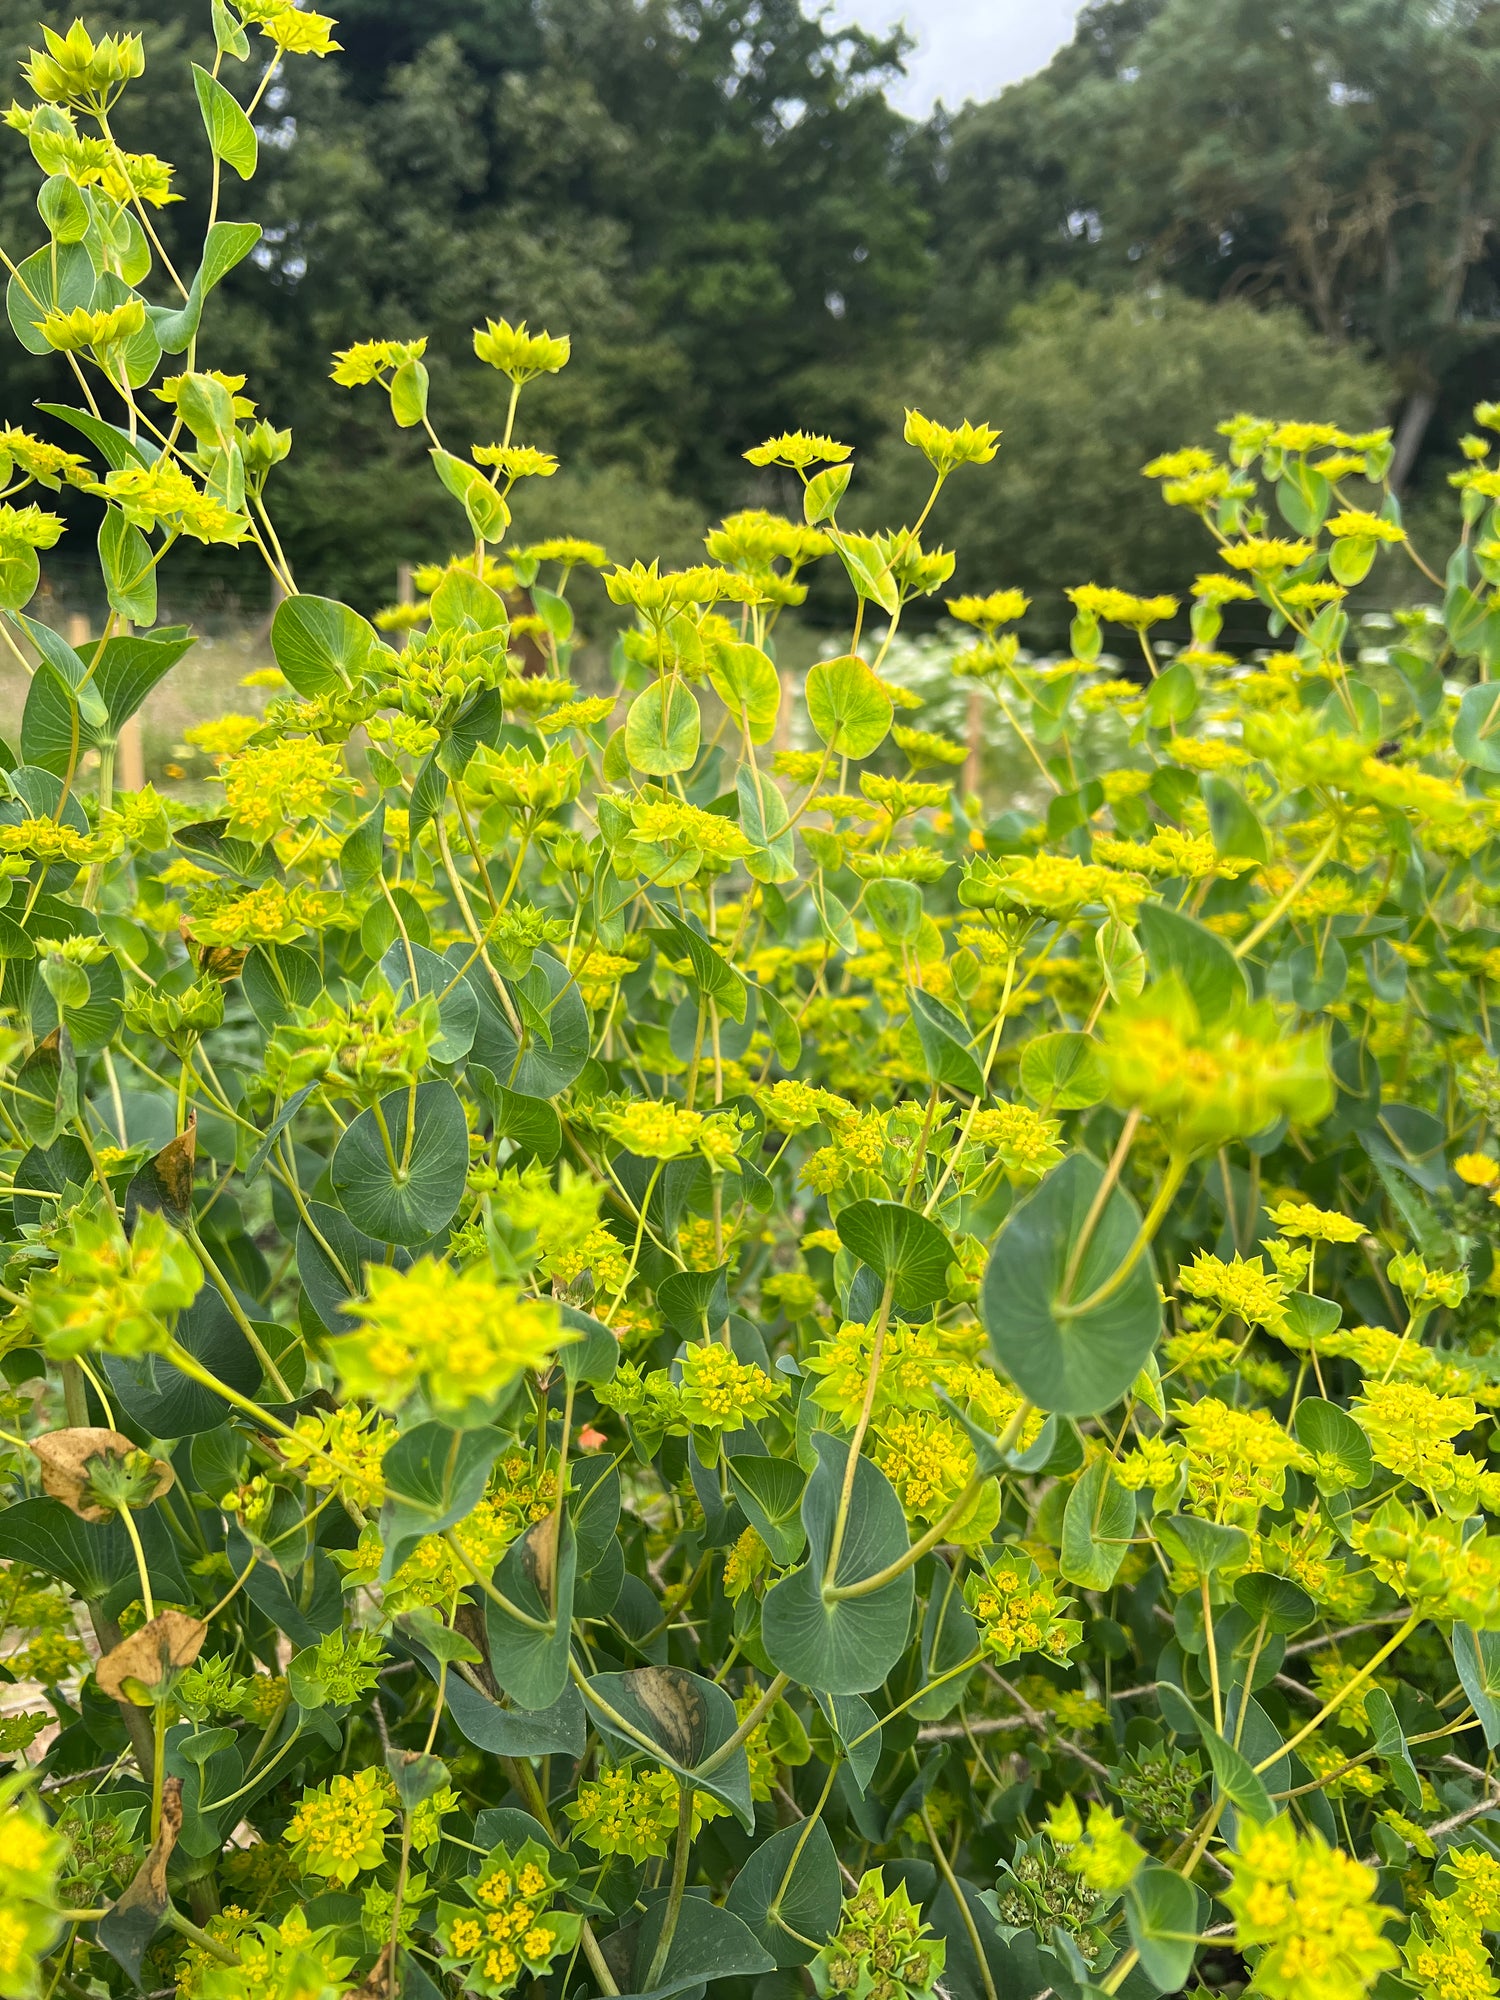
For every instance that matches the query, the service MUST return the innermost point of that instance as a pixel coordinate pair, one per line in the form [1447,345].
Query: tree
[1086,391]
[1339,155]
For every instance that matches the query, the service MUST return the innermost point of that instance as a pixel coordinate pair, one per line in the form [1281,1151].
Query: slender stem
[127,1520]
[1274,915]
[679,1883]
[1176,1171]
[1399,1638]
[841,1520]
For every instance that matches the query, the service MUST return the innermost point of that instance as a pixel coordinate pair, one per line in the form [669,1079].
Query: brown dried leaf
[174,1169]
[64,1457]
[172,1639]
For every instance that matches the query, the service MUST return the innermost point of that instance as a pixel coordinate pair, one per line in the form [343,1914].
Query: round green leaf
[1077,1363]
[788,1894]
[1063,1071]
[662,729]
[406,1194]
[1332,1435]
[745,680]
[898,1243]
[842,1645]
[847,706]
[1476,727]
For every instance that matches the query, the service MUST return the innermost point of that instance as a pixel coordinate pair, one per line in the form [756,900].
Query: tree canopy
[720,202]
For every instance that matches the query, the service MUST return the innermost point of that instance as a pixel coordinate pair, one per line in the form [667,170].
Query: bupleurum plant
[643,1349]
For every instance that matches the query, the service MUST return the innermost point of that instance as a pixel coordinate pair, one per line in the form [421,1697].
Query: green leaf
[766,824]
[663,728]
[1162,1916]
[1078,1363]
[1235,1777]
[1476,727]
[842,1645]
[898,1244]
[458,1010]
[1063,1071]
[715,976]
[531,1665]
[1208,968]
[404,1196]
[709,1944]
[947,1045]
[1390,1745]
[320,645]
[94,1558]
[746,681]
[231,136]
[116,447]
[1172,696]
[1098,1523]
[1476,1655]
[1235,828]
[595,1356]
[896,910]
[129,577]
[489,517]
[684,1718]
[788,1894]
[869,572]
[560,1730]
[1351,559]
[777,1020]
[823,492]
[770,1492]
[1330,1433]
[1206,1545]
[434,1478]
[847,706]
[227,244]
[409,394]
[230,38]
[1284,1606]
[60,275]
[538,1064]
[1121,959]
[70,672]
[163,1401]
[20,573]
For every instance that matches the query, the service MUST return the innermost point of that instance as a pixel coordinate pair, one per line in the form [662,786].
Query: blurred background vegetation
[1199,206]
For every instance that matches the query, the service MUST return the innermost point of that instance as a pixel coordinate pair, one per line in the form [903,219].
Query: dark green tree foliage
[708,196]
[1336,154]
[1090,389]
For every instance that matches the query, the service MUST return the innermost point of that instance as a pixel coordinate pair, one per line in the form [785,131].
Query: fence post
[974,763]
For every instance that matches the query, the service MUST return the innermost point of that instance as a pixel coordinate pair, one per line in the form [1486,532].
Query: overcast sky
[966,48]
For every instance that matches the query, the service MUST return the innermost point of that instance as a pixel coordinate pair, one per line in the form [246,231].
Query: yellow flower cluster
[1020,1611]
[1411,1431]
[1237,1460]
[272,786]
[1025,1141]
[929,1461]
[462,1334]
[338,1830]
[1241,1287]
[722,1393]
[626,1811]
[1308,1914]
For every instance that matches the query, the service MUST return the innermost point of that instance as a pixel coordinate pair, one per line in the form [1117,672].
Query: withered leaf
[65,1455]
[171,1639]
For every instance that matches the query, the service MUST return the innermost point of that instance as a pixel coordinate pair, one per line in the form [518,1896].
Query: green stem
[679,1883]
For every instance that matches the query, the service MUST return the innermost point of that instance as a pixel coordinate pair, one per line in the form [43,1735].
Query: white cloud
[965,48]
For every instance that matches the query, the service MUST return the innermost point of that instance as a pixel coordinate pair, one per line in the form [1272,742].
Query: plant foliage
[638,1360]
